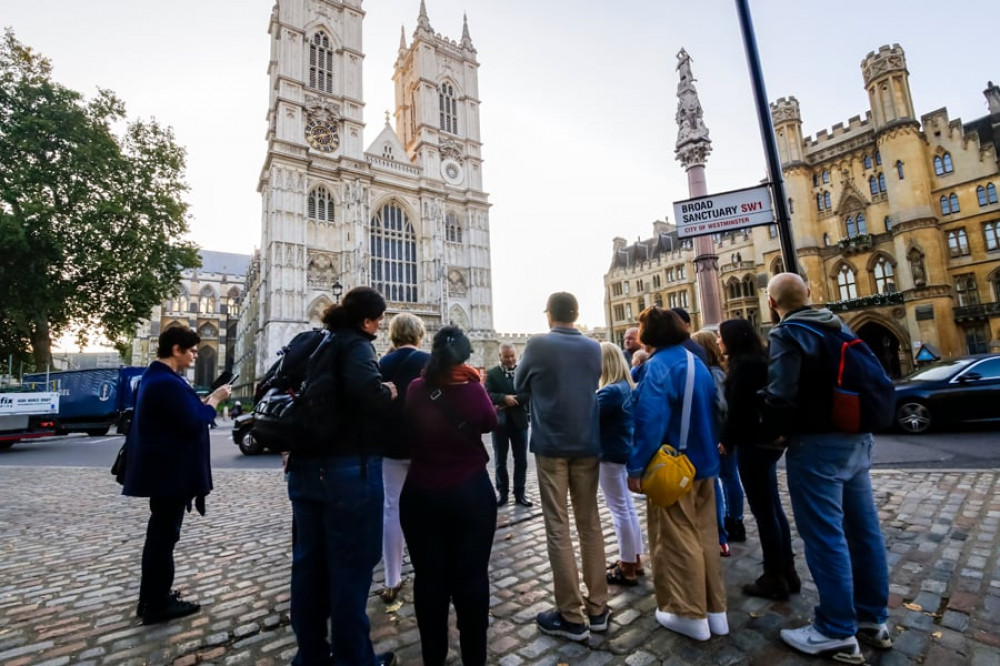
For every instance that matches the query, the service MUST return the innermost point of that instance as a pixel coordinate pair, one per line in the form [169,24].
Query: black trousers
[759,474]
[162,534]
[510,438]
[449,534]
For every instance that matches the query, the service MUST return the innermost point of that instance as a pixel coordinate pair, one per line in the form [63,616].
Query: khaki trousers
[684,551]
[579,477]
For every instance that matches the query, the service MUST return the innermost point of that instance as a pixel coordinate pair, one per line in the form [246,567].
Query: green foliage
[91,223]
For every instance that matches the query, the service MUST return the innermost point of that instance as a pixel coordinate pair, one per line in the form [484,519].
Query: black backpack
[297,411]
[864,397]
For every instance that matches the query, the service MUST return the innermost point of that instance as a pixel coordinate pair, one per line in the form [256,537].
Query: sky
[578,102]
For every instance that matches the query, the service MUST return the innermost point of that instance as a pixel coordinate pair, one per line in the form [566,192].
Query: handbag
[670,474]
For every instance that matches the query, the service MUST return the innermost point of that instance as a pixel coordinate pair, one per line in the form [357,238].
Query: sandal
[389,594]
[617,565]
[617,577]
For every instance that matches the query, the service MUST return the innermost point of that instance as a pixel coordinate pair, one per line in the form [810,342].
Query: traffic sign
[729,211]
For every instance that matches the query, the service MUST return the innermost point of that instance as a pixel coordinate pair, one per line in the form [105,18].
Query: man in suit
[512,432]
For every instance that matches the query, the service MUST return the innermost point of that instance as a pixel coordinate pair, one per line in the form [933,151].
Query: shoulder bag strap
[438,397]
[688,394]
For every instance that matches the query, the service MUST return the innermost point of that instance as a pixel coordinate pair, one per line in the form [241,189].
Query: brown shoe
[389,594]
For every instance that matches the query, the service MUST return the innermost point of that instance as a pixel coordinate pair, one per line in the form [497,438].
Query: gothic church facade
[405,214]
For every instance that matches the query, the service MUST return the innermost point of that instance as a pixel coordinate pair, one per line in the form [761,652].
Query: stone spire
[424,23]
[402,37]
[466,38]
[693,144]
[992,93]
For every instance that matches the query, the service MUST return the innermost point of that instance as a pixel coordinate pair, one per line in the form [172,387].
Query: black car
[959,390]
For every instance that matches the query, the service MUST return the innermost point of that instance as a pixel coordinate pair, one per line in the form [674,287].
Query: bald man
[828,481]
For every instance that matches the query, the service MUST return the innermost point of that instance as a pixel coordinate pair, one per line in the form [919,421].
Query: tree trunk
[41,343]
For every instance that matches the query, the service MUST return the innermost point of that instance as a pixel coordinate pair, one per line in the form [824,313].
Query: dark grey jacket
[560,370]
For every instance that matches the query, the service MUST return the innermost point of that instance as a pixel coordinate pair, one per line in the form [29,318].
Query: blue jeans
[731,488]
[337,508]
[835,513]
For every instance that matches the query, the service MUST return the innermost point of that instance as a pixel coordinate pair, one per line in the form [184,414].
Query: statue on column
[693,144]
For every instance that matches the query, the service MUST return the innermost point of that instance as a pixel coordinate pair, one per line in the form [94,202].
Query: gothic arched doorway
[204,368]
[884,344]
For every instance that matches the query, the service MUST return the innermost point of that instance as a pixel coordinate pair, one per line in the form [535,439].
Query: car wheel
[98,432]
[913,417]
[250,446]
[9,443]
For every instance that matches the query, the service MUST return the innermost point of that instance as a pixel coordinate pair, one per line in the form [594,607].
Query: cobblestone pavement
[69,571]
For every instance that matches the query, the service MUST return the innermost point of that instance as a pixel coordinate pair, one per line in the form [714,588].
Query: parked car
[959,390]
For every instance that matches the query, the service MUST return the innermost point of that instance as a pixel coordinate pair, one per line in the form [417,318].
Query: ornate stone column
[691,150]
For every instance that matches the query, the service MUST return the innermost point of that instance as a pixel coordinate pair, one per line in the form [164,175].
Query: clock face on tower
[322,136]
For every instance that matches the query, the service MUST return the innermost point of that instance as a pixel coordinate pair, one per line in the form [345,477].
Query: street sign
[728,211]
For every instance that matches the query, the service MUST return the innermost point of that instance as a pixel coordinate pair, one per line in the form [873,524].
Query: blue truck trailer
[90,401]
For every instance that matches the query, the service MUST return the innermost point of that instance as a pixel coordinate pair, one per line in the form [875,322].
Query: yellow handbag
[670,474]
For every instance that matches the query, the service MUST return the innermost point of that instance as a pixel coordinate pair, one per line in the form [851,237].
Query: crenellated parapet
[785,109]
[887,60]
[855,125]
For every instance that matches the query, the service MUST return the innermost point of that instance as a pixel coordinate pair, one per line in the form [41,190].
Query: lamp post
[337,289]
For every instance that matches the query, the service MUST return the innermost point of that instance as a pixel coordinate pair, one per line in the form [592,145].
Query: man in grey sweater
[561,371]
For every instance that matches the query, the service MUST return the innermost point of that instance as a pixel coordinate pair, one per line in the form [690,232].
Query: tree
[91,223]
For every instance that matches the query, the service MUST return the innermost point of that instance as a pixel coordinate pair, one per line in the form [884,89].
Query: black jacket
[498,384]
[747,376]
[800,381]
[400,367]
[362,399]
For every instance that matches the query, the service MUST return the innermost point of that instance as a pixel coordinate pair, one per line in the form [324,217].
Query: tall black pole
[781,216]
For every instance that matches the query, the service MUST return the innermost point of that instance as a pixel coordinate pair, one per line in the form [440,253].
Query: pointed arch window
[899,169]
[868,162]
[966,289]
[180,302]
[851,229]
[873,185]
[958,243]
[881,182]
[206,301]
[320,205]
[945,206]
[846,283]
[827,202]
[815,180]
[819,202]
[387,152]
[953,200]
[885,282]
[321,62]
[453,229]
[888,223]
[862,224]
[826,177]
[946,160]
[878,158]
[986,195]
[943,164]
[448,108]
[394,254]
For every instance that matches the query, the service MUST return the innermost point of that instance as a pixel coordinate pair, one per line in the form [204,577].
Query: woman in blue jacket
[614,399]
[168,462]
[683,538]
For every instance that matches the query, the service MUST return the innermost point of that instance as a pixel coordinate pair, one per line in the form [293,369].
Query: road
[968,448]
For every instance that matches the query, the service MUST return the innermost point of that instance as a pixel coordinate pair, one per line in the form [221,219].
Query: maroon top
[442,456]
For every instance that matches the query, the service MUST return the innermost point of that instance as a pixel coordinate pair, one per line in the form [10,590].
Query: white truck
[27,415]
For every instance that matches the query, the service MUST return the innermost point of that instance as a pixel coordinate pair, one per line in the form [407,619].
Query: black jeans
[759,473]
[509,438]
[162,534]
[449,533]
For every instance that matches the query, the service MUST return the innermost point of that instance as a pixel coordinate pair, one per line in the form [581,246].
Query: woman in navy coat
[168,462]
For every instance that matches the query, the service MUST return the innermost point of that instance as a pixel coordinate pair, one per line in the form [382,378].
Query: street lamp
[337,290]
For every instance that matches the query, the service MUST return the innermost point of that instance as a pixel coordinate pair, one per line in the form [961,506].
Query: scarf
[464,373]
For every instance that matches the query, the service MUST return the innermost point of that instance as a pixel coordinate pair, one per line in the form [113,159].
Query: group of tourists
[407,466]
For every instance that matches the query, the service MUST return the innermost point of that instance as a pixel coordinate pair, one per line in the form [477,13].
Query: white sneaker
[875,634]
[718,623]
[686,626]
[808,639]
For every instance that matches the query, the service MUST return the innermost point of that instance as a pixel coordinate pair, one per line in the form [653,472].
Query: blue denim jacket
[615,403]
[657,408]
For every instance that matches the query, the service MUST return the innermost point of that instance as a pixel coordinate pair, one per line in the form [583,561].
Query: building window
[826,239]
[628,311]
[888,223]
[320,205]
[851,230]
[387,154]
[640,285]
[953,200]
[815,180]
[682,272]
[846,283]
[448,108]
[873,185]
[625,286]
[996,286]
[881,182]
[991,234]
[827,201]
[977,337]
[616,289]
[885,283]
[206,301]
[394,255]
[986,195]
[670,275]
[826,177]
[943,164]
[453,229]
[656,281]
[966,289]
[819,202]
[878,158]
[945,206]
[862,224]
[619,313]
[684,299]
[321,63]
[958,243]
[868,162]
[899,169]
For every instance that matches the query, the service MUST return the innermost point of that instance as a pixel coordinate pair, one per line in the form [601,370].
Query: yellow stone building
[896,223]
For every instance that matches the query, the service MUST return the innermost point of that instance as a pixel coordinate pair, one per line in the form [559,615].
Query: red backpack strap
[843,359]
